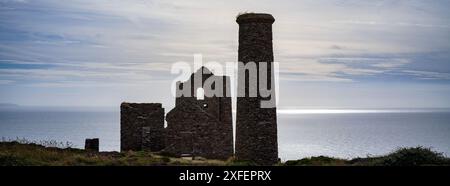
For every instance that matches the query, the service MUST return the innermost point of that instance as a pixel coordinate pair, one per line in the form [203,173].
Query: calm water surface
[344,135]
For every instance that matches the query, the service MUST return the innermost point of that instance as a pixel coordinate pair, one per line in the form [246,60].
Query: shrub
[417,156]
[316,161]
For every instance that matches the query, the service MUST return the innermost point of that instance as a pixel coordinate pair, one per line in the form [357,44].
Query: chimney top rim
[255,18]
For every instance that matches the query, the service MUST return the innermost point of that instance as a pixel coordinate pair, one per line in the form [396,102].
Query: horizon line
[286,111]
[360,111]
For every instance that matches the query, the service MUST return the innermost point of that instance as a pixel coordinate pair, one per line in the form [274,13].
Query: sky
[332,53]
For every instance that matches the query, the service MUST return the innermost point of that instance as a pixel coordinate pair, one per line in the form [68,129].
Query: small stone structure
[92,144]
[141,126]
[256,127]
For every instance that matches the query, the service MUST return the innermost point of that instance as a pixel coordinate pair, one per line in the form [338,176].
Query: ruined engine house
[199,125]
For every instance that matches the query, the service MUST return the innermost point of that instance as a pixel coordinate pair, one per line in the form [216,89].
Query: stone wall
[141,126]
[201,127]
[256,127]
[92,145]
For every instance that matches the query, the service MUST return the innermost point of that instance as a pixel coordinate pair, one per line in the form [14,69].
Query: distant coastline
[8,105]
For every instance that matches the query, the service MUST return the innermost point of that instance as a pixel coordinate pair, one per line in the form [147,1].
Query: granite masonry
[92,144]
[141,126]
[256,127]
[197,126]
[200,124]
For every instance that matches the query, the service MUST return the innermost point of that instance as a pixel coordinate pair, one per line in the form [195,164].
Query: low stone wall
[141,126]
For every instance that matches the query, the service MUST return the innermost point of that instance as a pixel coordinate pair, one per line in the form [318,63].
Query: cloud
[425,75]
[345,69]
[107,43]
[375,23]
[4,82]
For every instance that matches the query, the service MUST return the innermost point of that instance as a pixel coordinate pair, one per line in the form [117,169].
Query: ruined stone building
[201,126]
[256,127]
[197,126]
[201,122]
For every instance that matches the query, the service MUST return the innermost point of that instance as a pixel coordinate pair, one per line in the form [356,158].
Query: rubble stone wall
[256,127]
[141,126]
[92,144]
[201,127]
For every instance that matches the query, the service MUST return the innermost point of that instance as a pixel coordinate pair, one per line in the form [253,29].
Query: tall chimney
[256,127]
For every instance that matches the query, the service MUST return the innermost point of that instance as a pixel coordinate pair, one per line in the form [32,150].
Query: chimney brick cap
[255,18]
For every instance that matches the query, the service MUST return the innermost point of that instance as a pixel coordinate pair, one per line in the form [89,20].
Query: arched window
[200,94]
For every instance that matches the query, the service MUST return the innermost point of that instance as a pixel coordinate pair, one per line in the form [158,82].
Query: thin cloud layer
[104,43]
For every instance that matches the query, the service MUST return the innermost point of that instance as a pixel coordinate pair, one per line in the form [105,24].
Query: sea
[340,133]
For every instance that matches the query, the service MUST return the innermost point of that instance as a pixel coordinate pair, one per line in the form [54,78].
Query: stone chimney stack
[256,127]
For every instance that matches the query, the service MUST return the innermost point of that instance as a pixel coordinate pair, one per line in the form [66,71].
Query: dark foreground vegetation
[30,154]
[417,156]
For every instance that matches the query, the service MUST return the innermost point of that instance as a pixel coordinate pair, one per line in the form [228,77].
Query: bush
[417,156]
[316,161]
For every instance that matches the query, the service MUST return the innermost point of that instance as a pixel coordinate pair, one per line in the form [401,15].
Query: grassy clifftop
[19,154]
[417,156]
